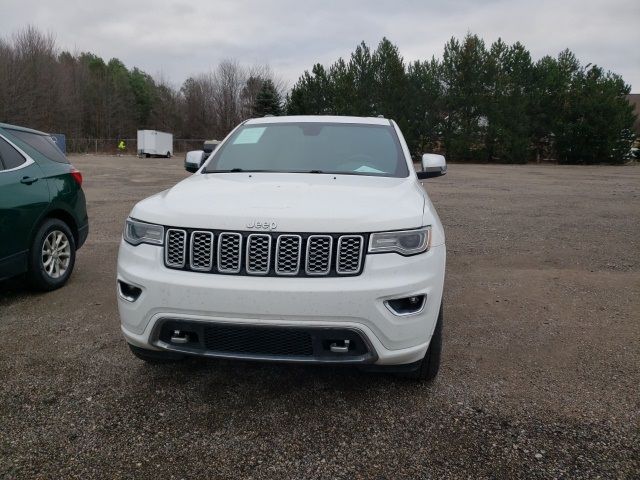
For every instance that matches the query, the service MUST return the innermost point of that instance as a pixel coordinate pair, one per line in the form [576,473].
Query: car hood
[287,202]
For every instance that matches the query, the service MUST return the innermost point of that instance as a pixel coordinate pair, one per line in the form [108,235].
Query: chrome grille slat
[258,260]
[176,247]
[201,251]
[349,254]
[229,249]
[288,254]
[318,259]
[244,253]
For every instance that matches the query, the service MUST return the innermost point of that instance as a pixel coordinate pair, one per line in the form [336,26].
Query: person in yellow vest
[121,148]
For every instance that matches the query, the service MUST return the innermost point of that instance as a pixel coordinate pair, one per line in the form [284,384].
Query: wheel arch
[59,214]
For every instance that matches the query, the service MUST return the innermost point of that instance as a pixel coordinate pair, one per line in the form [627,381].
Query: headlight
[136,232]
[405,242]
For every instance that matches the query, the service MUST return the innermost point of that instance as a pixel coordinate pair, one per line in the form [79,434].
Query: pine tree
[341,89]
[508,133]
[550,85]
[464,79]
[268,101]
[425,109]
[595,125]
[311,95]
[389,83]
[361,71]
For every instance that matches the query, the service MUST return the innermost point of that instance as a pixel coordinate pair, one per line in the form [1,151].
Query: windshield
[339,148]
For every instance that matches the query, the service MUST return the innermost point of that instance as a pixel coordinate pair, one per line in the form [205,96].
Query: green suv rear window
[42,143]
[9,156]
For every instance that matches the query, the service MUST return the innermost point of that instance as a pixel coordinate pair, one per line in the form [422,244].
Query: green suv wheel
[52,255]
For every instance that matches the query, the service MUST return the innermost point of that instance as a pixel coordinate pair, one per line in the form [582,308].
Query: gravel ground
[540,371]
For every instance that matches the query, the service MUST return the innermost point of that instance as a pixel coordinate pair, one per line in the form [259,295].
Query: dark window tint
[9,156]
[43,143]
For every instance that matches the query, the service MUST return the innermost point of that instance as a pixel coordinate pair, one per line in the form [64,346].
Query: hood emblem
[262,224]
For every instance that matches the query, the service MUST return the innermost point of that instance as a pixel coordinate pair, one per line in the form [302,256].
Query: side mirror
[433,165]
[193,161]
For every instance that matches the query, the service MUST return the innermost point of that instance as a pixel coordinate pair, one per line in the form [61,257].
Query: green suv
[43,215]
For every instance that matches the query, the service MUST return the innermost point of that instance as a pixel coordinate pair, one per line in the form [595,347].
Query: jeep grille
[273,254]
[176,250]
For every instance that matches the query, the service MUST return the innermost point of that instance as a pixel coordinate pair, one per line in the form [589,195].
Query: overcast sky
[179,38]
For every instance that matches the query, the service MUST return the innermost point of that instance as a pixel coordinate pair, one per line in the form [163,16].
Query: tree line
[477,103]
[83,96]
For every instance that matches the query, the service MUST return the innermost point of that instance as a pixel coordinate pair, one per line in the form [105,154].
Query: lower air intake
[258,341]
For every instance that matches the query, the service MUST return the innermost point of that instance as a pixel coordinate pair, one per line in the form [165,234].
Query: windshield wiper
[233,170]
[238,170]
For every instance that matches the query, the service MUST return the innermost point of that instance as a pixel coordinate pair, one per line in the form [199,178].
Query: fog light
[128,292]
[407,305]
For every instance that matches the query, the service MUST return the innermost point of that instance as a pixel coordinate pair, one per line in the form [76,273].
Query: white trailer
[152,142]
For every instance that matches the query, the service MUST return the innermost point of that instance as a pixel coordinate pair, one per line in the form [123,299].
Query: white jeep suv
[299,239]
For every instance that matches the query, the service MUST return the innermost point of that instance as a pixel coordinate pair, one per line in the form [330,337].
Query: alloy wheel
[56,254]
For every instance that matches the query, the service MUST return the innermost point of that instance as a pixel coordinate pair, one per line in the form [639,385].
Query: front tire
[155,356]
[430,364]
[52,256]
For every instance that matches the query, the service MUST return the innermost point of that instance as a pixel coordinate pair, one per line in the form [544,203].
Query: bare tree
[229,78]
[7,65]
[199,97]
[30,89]
[167,113]
[83,96]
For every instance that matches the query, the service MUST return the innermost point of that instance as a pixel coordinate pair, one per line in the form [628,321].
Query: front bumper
[354,303]
[280,343]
